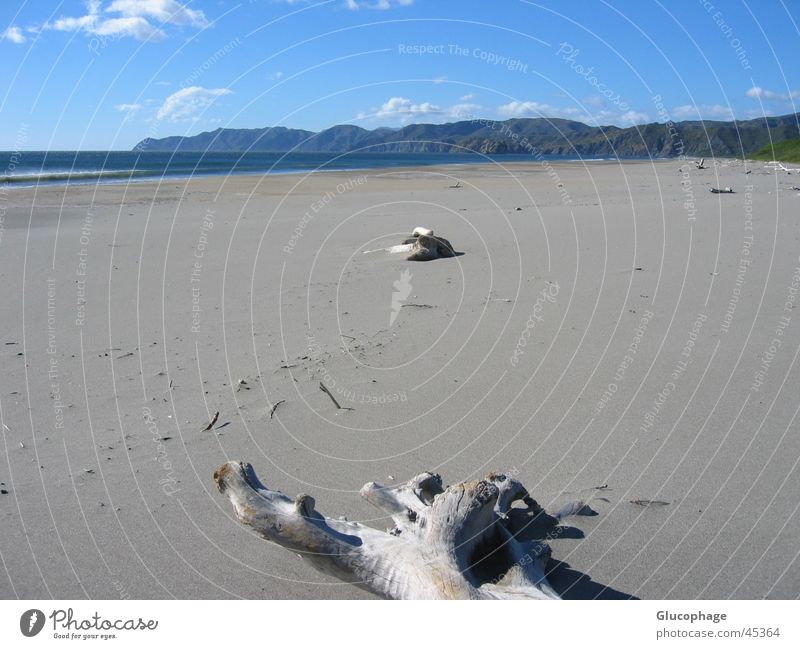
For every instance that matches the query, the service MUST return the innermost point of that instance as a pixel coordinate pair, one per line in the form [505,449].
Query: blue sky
[103,74]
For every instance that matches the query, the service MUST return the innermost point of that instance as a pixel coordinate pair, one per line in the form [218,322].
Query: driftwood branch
[473,540]
[328,392]
[275,407]
[422,245]
[212,422]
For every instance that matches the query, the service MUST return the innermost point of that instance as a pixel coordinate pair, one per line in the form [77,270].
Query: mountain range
[532,136]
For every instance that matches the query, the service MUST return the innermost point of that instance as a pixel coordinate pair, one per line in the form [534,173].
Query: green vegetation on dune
[787,151]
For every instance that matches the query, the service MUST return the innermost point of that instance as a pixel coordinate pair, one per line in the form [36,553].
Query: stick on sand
[328,392]
[213,421]
[275,407]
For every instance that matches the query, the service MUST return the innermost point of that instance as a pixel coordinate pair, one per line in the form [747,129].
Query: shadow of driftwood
[455,254]
[532,526]
[573,584]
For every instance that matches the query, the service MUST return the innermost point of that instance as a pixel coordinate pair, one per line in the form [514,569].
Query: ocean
[32,168]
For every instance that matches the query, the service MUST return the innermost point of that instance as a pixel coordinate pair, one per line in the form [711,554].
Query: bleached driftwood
[467,541]
[422,245]
[427,247]
[777,165]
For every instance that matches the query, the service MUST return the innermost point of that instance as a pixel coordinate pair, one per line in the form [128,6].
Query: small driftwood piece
[212,422]
[783,167]
[468,541]
[724,190]
[649,503]
[699,165]
[275,407]
[328,392]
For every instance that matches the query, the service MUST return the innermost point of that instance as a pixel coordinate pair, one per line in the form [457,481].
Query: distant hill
[788,151]
[525,136]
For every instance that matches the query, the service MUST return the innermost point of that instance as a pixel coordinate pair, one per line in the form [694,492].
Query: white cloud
[633,117]
[128,108]
[86,22]
[757,92]
[440,79]
[468,97]
[13,34]
[602,117]
[464,111]
[535,109]
[382,5]
[168,11]
[404,111]
[134,26]
[274,76]
[402,108]
[702,111]
[187,101]
[596,101]
[130,18]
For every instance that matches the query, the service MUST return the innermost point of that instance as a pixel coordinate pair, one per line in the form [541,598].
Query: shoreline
[21,184]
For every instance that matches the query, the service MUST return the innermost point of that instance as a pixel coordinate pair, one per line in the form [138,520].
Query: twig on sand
[419,306]
[335,402]
[456,186]
[275,407]
[328,392]
[648,503]
[213,421]
[601,487]
[726,190]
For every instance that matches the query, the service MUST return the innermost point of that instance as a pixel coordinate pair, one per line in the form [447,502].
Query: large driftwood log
[428,247]
[468,541]
[425,246]
[422,245]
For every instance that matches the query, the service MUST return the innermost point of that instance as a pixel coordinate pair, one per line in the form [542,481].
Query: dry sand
[609,283]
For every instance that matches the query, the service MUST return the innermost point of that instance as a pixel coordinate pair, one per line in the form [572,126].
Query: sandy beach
[612,332]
